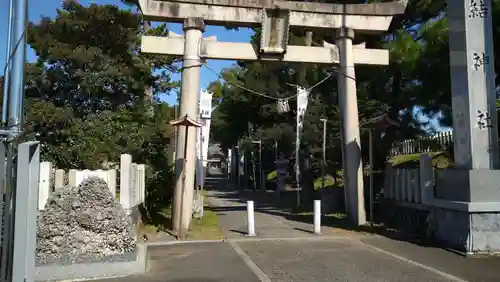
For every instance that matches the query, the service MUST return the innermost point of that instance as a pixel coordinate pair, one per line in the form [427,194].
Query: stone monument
[467,197]
[281,173]
[83,224]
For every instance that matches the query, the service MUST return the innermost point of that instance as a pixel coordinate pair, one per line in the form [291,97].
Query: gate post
[351,138]
[26,209]
[190,89]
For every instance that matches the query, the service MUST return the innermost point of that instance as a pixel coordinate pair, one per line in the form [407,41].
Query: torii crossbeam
[275,18]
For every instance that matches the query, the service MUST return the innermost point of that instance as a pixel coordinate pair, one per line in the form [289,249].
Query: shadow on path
[408,246]
[226,198]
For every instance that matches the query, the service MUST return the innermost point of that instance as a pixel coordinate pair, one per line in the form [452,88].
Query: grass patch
[439,160]
[272,175]
[335,215]
[329,182]
[160,222]
[206,228]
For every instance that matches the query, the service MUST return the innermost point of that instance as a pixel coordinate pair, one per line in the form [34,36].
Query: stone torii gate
[275,18]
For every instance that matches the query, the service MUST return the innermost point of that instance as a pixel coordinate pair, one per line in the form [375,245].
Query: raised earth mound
[83,223]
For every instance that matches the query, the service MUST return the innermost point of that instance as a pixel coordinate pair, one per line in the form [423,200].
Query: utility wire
[11,56]
[262,94]
[241,86]
[203,63]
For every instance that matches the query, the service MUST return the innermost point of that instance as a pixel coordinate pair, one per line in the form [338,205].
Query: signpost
[275,18]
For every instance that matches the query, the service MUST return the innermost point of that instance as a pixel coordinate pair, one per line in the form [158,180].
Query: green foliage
[417,79]
[87,95]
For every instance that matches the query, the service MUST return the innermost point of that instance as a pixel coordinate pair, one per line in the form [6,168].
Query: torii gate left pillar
[279,15]
[190,91]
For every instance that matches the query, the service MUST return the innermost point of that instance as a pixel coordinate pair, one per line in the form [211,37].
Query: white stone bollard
[251,219]
[317,217]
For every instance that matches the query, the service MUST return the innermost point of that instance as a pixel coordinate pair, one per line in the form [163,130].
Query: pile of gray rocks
[83,223]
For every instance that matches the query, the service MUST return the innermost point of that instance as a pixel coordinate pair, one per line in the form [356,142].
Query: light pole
[201,172]
[275,149]
[382,122]
[238,167]
[323,164]
[260,162]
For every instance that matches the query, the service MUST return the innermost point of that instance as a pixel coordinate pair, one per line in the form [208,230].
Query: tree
[417,42]
[89,69]
[85,94]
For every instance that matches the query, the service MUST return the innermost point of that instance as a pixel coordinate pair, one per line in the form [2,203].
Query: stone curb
[92,271]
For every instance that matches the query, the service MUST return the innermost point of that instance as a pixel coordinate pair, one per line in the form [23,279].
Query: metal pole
[276,150]
[370,141]
[190,89]
[238,168]
[16,99]
[6,78]
[253,170]
[245,168]
[323,164]
[262,179]
[202,174]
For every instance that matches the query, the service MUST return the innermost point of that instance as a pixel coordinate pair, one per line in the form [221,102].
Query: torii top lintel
[369,18]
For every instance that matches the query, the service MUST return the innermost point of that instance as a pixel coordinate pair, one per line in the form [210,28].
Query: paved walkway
[270,221]
[285,251]
[316,259]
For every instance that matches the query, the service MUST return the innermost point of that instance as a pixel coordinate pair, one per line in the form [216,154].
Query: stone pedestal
[470,232]
[467,209]
[481,185]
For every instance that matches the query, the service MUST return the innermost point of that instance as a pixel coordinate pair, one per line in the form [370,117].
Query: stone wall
[83,223]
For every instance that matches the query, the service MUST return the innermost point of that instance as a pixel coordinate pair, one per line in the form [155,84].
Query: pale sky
[48,8]
[38,8]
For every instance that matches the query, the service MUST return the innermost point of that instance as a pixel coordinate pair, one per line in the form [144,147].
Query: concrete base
[468,185]
[468,232]
[466,210]
[128,264]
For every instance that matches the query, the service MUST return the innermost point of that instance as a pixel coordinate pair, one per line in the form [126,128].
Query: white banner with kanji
[302,101]
[205,113]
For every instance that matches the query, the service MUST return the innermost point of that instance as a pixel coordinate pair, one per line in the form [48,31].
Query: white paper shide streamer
[302,101]
[283,106]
